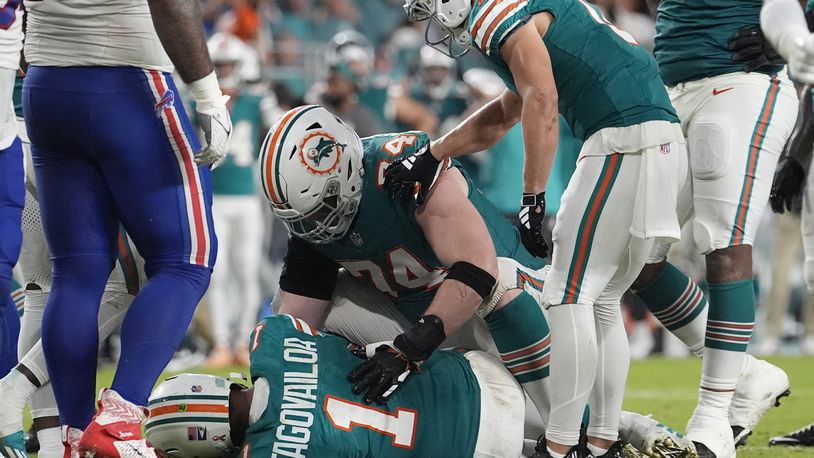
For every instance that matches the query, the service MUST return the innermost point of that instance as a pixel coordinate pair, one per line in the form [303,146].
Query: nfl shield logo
[197,388]
[664,148]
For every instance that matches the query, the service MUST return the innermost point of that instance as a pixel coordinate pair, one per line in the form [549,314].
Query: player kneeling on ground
[301,405]
[436,261]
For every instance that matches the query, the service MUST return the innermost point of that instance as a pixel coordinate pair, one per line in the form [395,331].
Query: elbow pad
[474,277]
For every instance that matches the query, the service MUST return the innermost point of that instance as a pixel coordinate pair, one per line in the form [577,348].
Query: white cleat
[653,438]
[760,387]
[711,434]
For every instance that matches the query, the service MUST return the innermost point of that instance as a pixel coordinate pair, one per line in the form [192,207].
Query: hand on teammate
[216,124]
[751,48]
[787,185]
[532,213]
[381,374]
[414,174]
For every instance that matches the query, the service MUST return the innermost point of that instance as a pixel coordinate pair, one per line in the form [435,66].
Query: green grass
[667,388]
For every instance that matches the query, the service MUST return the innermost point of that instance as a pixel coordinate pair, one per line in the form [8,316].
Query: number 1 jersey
[312,412]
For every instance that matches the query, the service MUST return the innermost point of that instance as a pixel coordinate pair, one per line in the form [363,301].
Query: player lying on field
[461,404]
[325,183]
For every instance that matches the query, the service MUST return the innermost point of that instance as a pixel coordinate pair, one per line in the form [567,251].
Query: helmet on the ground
[450,16]
[189,417]
[311,172]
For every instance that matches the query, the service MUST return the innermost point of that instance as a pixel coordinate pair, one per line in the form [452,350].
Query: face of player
[339,88]
[436,75]
[228,77]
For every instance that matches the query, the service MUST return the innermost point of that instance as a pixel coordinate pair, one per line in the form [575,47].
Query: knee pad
[703,237]
[507,278]
[708,142]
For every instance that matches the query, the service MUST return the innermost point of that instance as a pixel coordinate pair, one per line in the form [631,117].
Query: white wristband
[206,90]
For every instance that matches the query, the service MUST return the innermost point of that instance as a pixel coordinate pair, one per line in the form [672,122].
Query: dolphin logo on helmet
[311,173]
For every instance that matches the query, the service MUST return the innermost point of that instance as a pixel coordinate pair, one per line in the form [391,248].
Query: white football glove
[801,59]
[214,120]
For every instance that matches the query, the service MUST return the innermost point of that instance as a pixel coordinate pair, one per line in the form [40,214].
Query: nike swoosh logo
[716,91]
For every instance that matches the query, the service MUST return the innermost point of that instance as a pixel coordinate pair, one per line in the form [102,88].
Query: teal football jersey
[386,247]
[236,175]
[603,77]
[312,412]
[692,40]
[17,95]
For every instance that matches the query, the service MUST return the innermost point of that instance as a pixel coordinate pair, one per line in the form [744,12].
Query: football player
[28,382]
[112,143]
[234,292]
[564,56]
[437,265]
[301,405]
[736,106]
[11,179]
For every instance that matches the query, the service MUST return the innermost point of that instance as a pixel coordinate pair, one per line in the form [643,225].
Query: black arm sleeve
[308,273]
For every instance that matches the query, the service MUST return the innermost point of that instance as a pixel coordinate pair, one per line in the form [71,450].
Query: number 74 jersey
[386,247]
[310,410]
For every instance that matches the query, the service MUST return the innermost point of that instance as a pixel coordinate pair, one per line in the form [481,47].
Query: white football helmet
[437,72]
[311,171]
[450,16]
[189,417]
[226,49]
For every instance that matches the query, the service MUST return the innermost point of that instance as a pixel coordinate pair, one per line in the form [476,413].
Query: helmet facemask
[326,222]
[445,32]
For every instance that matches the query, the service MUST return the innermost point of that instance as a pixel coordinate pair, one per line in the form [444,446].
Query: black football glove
[787,185]
[414,174]
[751,48]
[532,213]
[389,363]
[381,374]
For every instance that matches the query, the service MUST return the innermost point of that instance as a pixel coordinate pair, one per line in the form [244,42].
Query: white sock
[31,322]
[573,369]
[694,332]
[595,450]
[611,372]
[719,375]
[15,389]
[51,443]
[555,454]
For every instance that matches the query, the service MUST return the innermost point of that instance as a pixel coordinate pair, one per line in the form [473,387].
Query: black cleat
[803,436]
[740,434]
[32,444]
[703,451]
[577,451]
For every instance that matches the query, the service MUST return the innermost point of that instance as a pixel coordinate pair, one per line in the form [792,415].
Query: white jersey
[84,33]
[11,34]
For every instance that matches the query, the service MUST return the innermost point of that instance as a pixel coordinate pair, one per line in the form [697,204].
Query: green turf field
[667,388]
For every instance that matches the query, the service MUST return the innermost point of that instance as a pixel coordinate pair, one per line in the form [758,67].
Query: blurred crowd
[362,60]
